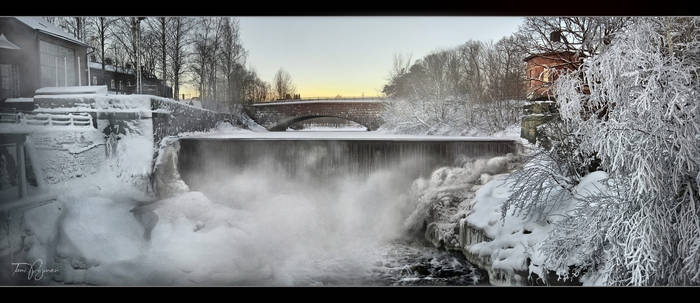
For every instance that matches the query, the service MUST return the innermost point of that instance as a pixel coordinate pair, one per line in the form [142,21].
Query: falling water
[332,210]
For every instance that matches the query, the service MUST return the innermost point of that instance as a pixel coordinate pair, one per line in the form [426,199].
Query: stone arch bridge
[278,116]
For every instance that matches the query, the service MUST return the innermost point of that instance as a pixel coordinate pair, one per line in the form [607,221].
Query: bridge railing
[320,98]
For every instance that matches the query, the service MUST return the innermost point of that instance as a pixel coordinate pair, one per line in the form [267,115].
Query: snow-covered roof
[95,89]
[7,44]
[19,100]
[111,68]
[555,53]
[48,28]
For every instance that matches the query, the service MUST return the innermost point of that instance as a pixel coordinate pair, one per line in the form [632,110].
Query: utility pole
[139,84]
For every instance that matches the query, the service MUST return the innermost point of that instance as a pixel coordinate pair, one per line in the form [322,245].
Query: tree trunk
[163,50]
[102,45]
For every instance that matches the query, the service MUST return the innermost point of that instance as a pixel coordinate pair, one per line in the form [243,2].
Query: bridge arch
[278,116]
[284,124]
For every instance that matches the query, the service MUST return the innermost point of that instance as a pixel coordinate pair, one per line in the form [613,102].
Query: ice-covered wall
[171,118]
[65,152]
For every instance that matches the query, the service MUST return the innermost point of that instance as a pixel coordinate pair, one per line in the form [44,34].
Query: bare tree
[150,52]
[124,33]
[202,54]
[471,54]
[583,35]
[178,49]
[76,26]
[255,88]
[159,26]
[282,84]
[100,37]
[230,57]
[212,60]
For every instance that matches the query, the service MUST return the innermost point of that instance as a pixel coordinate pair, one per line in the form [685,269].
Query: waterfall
[327,158]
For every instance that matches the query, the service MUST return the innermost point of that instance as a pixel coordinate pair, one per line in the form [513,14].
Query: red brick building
[543,69]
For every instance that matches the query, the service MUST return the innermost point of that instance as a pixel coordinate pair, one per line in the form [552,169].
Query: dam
[327,154]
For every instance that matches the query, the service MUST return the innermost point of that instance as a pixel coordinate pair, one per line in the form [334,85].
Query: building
[543,69]
[122,80]
[541,72]
[35,53]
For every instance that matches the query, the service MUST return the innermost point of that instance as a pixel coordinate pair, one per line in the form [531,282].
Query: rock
[420,269]
[485,178]
[168,182]
[496,165]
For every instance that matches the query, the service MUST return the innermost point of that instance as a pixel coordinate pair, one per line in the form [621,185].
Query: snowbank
[97,89]
[446,197]
[460,208]
[517,240]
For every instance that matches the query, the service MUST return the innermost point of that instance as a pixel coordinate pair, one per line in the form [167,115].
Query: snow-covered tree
[471,89]
[634,109]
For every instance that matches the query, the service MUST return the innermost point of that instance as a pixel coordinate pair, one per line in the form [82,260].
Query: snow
[19,100]
[13,128]
[64,90]
[88,231]
[515,238]
[512,131]
[111,68]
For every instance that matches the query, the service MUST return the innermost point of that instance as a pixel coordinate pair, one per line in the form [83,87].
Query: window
[94,80]
[545,75]
[57,65]
[112,86]
[9,81]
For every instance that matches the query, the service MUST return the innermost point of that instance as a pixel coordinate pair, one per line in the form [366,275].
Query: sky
[352,56]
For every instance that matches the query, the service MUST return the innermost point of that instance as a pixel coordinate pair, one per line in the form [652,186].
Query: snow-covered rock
[42,223]
[100,231]
[166,174]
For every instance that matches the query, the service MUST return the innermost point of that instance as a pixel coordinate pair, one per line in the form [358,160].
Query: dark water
[408,263]
[414,264]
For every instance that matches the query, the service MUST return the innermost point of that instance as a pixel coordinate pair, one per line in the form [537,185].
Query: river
[331,208]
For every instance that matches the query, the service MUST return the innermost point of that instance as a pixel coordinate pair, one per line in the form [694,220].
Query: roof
[46,27]
[112,68]
[7,44]
[560,53]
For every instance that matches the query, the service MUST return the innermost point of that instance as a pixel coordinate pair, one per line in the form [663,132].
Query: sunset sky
[351,56]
